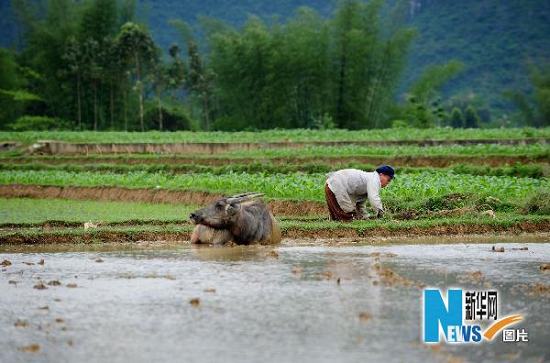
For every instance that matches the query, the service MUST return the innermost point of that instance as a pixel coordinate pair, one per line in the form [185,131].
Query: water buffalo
[242,219]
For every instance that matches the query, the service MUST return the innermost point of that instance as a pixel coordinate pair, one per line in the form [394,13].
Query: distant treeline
[89,65]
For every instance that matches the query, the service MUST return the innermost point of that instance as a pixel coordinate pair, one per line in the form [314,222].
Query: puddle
[249,304]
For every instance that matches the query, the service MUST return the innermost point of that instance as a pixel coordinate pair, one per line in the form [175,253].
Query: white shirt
[352,186]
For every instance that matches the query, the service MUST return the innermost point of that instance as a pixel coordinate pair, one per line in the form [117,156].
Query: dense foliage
[95,65]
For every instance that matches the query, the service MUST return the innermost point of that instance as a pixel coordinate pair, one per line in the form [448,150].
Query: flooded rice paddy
[293,303]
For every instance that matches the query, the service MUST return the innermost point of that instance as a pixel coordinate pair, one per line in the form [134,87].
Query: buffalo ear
[232,208]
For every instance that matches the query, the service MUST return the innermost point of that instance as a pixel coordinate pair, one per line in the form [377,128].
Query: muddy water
[254,305]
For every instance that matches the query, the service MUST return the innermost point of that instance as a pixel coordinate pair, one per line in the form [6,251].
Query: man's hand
[359,215]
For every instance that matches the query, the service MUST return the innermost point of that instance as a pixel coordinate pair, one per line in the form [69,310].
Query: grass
[31,211]
[30,137]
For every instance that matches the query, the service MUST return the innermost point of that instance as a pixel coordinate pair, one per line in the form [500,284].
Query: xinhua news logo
[467,317]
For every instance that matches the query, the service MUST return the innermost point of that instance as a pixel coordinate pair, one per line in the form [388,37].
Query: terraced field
[448,182]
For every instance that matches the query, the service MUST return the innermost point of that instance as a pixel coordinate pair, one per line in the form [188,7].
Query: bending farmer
[347,190]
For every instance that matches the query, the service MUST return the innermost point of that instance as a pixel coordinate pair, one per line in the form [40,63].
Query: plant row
[295,135]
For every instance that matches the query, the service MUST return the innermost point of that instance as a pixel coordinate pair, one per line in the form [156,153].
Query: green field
[35,211]
[451,187]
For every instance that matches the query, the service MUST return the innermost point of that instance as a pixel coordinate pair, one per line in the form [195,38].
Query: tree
[463,100]
[457,119]
[200,82]
[160,79]
[471,119]
[357,44]
[422,108]
[74,70]
[114,77]
[99,20]
[46,36]
[540,78]
[137,49]
[534,108]
[175,71]
[14,95]
[295,73]
[92,54]
[298,66]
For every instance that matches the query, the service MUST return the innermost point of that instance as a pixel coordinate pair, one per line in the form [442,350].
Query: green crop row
[537,150]
[299,135]
[518,170]
[298,186]
[479,150]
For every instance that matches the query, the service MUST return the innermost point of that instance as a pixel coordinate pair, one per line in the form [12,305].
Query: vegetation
[94,65]
[300,135]
[408,150]
[137,232]
[424,108]
[409,187]
[534,108]
[93,72]
[539,203]
[516,170]
[467,197]
[32,211]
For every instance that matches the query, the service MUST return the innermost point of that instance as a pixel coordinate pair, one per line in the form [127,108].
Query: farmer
[347,190]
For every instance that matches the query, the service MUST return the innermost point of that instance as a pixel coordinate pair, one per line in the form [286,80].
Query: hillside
[496,40]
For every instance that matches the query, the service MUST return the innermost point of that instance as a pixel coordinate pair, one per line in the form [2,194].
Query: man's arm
[360,212]
[344,201]
[373,190]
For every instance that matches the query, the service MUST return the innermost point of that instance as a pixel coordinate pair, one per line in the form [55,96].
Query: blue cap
[386,169]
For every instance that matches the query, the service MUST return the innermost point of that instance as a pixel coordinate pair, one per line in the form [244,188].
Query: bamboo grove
[92,66]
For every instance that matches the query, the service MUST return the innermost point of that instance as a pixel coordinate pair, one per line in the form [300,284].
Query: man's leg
[336,213]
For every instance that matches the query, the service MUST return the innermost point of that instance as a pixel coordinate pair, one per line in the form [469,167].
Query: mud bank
[71,236]
[57,147]
[279,207]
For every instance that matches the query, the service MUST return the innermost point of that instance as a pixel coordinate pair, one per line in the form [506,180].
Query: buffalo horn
[239,198]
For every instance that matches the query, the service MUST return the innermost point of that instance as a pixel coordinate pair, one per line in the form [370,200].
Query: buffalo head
[223,213]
